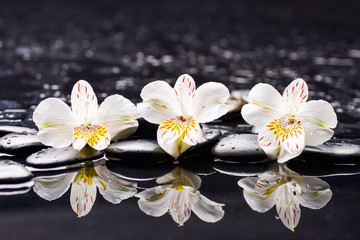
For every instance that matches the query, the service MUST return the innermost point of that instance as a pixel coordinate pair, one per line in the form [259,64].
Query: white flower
[288,190]
[59,126]
[287,123]
[83,190]
[179,110]
[179,196]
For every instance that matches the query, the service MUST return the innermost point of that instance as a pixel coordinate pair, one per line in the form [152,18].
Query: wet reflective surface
[119,47]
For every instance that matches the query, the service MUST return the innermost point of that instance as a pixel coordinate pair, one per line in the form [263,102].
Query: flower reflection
[288,190]
[179,195]
[84,184]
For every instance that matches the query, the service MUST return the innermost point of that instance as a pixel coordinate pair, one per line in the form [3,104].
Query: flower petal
[295,95]
[83,101]
[206,209]
[192,134]
[265,104]
[256,202]
[185,91]
[82,197]
[53,187]
[100,138]
[113,188]
[155,201]
[175,148]
[160,102]
[317,117]
[210,102]
[55,122]
[286,136]
[118,115]
[171,129]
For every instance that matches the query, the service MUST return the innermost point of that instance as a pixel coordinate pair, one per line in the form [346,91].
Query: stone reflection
[287,190]
[179,195]
[84,184]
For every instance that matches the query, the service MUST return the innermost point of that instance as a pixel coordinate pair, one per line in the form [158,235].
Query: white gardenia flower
[60,126]
[84,184]
[288,123]
[179,110]
[287,190]
[179,196]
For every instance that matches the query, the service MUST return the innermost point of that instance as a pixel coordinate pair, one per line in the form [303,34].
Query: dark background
[119,46]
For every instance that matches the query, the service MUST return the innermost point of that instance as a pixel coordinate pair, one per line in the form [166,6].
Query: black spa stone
[210,138]
[12,172]
[5,129]
[334,151]
[20,144]
[138,150]
[54,157]
[239,148]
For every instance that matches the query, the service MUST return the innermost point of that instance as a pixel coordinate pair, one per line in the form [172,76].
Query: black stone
[335,151]
[138,150]
[145,129]
[5,129]
[12,172]
[242,169]
[54,157]
[20,144]
[210,138]
[239,148]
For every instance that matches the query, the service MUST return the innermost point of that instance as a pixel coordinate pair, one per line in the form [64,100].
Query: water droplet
[233,148]
[221,145]
[9,142]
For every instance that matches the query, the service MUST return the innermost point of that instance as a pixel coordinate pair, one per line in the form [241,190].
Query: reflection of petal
[53,187]
[287,206]
[315,193]
[113,188]
[155,201]
[206,209]
[179,173]
[82,197]
[256,202]
[119,115]
[83,101]
[180,205]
